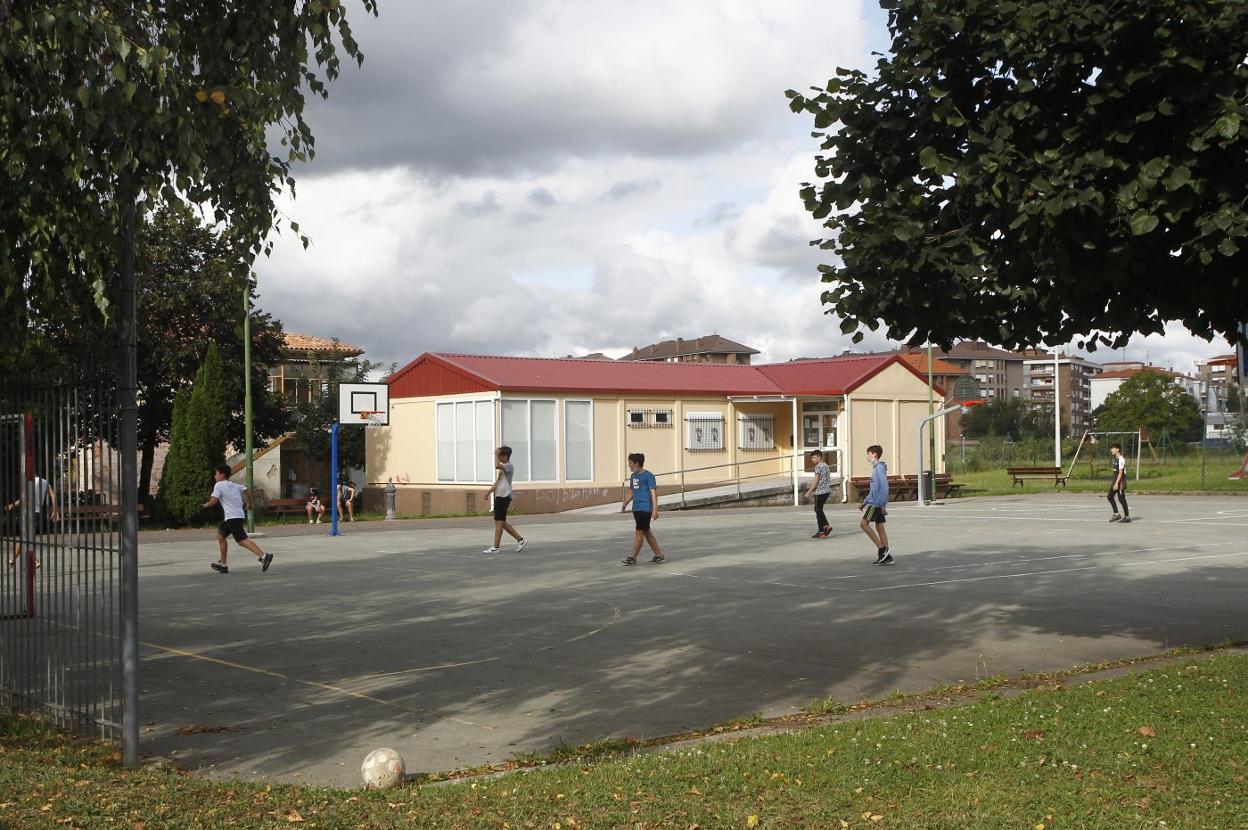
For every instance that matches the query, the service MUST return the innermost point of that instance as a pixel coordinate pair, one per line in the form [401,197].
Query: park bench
[97,512]
[1020,474]
[900,488]
[943,484]
[285,507]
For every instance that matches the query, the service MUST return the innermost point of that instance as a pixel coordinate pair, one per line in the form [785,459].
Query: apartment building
[709,349]
[1074,388]
[998,372]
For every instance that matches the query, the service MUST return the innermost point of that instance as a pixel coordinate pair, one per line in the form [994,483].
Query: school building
[572,423]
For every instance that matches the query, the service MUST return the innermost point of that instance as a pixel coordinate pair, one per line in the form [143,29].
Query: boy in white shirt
[502,500]
[1119,486]
[234,499]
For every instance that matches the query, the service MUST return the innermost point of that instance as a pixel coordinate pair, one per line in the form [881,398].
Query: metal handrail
[738,478]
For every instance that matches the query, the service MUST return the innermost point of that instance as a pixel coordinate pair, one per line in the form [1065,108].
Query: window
[755,432]
[465,445]
[578,440]
[636,417]
[705,431]
[529,428]
[661,418]
[650,418]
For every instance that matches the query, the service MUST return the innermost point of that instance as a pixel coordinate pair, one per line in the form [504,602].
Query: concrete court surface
[415,640]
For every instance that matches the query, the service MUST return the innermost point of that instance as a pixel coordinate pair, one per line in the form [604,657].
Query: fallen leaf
[694,791]
[1147,731]
[1038,827]
[752,821]
[1033,734]
[293,816]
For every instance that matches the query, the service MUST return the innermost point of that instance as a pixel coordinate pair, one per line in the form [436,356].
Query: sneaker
[629,561]
[881,555]
[492,549]
[309,521]
[819,535]
[265,562]
[520,545]
[826,532]
[1115,518]
[887,560]
[318,520]
[219,568]
[1126,520]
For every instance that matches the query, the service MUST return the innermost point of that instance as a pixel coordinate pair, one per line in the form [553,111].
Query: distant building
[303,372]
[998,372]
[709,349]
[1074,388]
[590,356]
[1109,381]
[1216,375]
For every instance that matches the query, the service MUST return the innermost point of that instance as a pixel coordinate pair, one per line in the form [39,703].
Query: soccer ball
[382,769]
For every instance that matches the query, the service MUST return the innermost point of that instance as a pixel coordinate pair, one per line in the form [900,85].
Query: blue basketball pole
[333,484]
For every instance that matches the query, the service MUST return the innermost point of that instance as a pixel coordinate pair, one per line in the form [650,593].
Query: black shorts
[501,503]
[233,527]
[872,513]
[642,519]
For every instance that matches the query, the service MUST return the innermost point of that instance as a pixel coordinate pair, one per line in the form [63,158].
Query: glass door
[819,433]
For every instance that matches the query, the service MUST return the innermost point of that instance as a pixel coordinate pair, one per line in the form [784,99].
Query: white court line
[1067,556]
[1045,573]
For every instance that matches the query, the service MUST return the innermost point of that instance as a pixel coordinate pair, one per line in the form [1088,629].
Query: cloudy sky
[553,177]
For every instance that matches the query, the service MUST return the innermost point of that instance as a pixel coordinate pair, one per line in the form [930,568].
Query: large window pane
[464,422]
[516,436]
[545,465]
[485,441]
[578,441]
[446,442]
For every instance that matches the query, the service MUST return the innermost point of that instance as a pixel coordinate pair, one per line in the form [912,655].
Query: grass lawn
[1180,475]
[1166,748]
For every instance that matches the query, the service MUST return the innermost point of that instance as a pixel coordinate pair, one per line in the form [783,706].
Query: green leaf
[927,158]
[1228,125]
[1143,222]
[1178,177]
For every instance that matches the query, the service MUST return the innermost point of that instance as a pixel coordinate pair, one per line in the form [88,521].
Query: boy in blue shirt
[875,505]
[644,494]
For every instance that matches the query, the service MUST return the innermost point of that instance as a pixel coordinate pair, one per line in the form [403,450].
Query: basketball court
[415,640]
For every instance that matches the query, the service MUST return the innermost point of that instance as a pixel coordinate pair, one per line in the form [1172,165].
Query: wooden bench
[285,507]
[900,488]
[1020,474]
[97,512]
[942,483]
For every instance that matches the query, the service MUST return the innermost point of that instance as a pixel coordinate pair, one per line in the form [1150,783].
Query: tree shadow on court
[458,667]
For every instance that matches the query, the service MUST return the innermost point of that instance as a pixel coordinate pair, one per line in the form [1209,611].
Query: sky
[556,177]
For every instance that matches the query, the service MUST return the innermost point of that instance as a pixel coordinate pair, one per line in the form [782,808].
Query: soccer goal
[1094,447]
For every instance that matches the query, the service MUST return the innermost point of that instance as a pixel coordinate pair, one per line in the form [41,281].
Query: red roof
[441,374]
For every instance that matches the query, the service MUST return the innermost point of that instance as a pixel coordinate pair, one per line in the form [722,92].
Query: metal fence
[60,619]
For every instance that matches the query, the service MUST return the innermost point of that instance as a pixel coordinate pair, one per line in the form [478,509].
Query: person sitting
[312,504]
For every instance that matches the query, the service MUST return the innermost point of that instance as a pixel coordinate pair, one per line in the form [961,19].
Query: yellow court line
[312,683]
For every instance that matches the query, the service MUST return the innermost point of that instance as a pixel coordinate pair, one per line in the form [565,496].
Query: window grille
[650,419]
[704,431]
[756,432]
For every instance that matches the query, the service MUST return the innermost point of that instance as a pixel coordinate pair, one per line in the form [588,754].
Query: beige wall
[886,410]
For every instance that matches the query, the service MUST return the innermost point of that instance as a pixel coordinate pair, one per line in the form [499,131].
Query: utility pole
[1057,409]
[127,389]
[931,408]
[251,514]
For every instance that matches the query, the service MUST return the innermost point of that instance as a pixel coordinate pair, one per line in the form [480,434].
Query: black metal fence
[60,615]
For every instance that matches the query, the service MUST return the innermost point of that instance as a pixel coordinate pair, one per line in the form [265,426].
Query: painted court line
[1115,563]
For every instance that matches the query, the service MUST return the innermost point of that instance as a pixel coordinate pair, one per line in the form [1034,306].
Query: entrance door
[819,433]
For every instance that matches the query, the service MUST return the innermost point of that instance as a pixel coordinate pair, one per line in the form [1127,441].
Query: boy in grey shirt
[502,500]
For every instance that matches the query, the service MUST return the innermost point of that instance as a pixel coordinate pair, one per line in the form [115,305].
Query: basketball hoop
[367,416]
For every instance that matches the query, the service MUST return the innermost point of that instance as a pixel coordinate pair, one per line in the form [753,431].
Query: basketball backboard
[366,404]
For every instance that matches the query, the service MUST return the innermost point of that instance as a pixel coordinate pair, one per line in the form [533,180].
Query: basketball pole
[333,476]
[247,442]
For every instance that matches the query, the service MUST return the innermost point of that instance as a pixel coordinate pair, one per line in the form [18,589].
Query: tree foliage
[190,290]
[1004,417]
[313,419]
[1028,171]
[105,106]
[1154,402]
[196,445]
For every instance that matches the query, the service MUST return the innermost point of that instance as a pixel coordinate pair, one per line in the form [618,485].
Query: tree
[1027,172]
[190,289]
[1005,417]
[197,444]
[112,106]
[1154,402]
[314,418]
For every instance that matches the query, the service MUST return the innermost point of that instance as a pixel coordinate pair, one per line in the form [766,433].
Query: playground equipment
[1133,443]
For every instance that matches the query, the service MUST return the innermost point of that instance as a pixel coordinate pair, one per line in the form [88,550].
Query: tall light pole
[251,514]
[931,408]
[1057,409]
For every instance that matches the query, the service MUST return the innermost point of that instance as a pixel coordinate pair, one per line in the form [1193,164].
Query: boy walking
[875,505]
[234,499]
[1119,485]
[820,488]
[643,492]
[502,500]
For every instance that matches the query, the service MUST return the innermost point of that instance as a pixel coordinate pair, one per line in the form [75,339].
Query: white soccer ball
[382,769]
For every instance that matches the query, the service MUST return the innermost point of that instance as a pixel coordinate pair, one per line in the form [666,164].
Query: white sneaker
[492,549]
[309,521]
[318,520]
[520,545]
